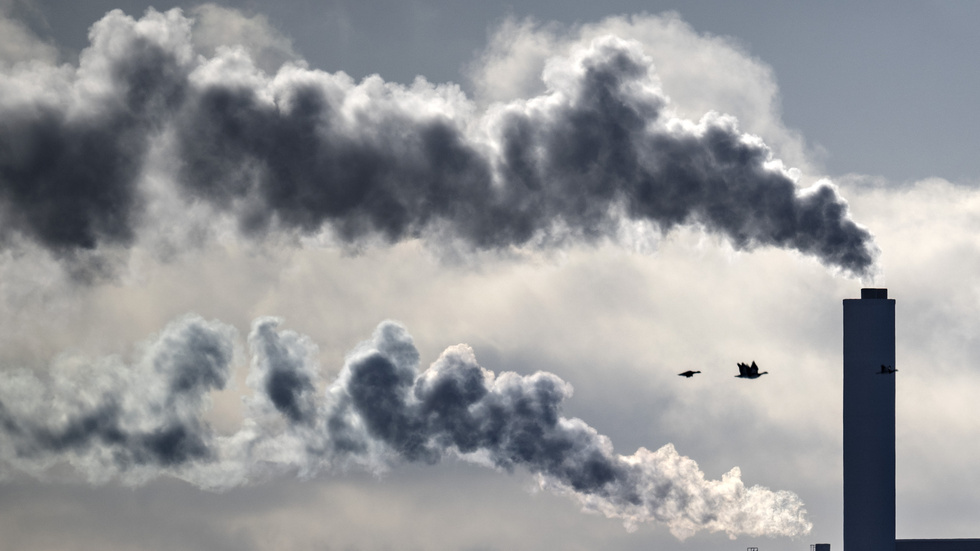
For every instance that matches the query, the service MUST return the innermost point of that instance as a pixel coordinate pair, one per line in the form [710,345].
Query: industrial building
[869,431]
[938,545]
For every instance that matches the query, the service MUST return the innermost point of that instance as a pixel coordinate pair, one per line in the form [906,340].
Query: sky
[422,275]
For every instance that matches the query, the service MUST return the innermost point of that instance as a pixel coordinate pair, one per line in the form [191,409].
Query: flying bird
[886,370]
[749,371]
[688,373]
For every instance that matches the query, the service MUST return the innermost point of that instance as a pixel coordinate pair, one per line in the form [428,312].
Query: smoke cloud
[278,147]
[109,419]
[132,422]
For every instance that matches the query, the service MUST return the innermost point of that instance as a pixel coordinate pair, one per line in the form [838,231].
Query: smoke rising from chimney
[112,421]
[302,151]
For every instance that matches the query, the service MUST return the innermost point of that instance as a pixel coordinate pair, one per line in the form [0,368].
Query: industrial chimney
[869,422]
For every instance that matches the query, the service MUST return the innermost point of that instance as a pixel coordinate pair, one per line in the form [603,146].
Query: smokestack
[869,422]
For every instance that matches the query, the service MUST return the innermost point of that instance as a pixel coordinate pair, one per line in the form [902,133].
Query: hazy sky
[421,275]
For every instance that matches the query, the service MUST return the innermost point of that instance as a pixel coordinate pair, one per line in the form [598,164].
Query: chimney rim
[874,293]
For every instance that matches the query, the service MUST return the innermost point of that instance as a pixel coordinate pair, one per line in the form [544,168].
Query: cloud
[146,420]
[18,44]
[109,419]
[217,27]
[509,421]
[74,139]
[614,323]
[698,71]
[303,152]
[283,371]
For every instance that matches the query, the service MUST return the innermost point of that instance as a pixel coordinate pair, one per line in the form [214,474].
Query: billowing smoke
[110,421]
[303,152]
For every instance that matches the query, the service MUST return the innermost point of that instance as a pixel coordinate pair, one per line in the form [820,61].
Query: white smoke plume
[112,421]
[281,148]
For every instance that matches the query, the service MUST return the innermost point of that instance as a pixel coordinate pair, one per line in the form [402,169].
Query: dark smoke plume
[135,422]
[305,151]
[110,419]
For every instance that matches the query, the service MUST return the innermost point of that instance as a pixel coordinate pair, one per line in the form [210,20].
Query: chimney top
[874,293]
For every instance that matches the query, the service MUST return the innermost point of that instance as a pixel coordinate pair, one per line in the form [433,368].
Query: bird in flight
[749,371]
[688,374]
[886,370]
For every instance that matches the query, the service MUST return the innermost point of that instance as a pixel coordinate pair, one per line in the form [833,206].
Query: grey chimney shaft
[869,422]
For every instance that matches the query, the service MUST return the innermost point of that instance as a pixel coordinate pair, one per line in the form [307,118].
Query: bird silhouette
[688,374]
[749,371]
[886,370]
